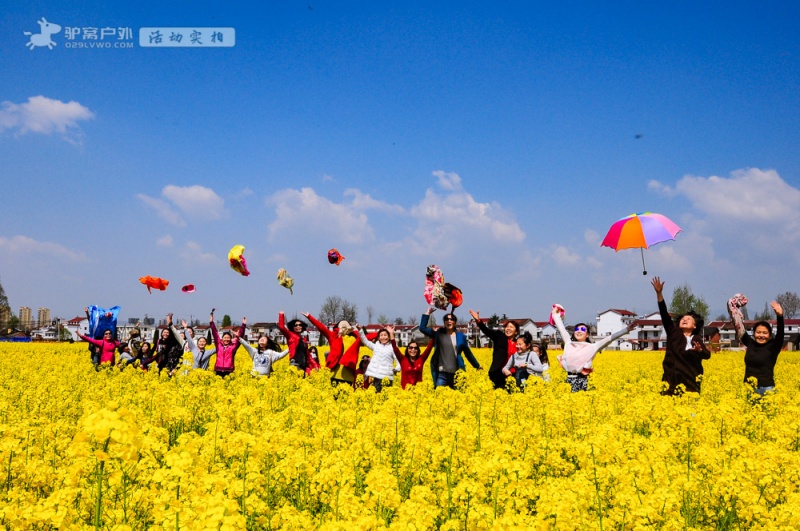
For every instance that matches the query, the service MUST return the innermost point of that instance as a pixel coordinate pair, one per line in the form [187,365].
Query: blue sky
[497,141]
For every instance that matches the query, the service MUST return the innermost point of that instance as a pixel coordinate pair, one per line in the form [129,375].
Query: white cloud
[444,220]
[44,116]
[564,257]
[195,202]
[752,208]
[592,237]
[163,209]
[363,201]
[660,188]
[165,241]
[23,245]
[193,252]
[245,192]
[448,181]
[748,195]
[305,211]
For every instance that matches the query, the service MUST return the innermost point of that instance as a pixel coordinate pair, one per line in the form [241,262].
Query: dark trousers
[498,379]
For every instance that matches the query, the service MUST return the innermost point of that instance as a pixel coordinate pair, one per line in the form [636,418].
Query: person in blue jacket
[449,346]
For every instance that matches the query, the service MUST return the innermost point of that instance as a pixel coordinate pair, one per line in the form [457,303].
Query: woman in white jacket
[382,365]
[265,355]
[579,352]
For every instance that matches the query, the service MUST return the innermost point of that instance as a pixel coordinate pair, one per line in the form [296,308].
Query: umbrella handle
[644,269]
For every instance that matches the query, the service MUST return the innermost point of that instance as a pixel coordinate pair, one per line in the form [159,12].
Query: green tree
[226,320]
[5,309]
[382,319]
[790,302]
[64,334]
[3,298]
[683,301]
[398,321]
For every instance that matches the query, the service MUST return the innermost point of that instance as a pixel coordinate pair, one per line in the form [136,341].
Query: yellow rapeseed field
[81,449]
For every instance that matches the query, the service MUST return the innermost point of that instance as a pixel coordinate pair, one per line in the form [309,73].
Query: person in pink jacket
[108,345]
[226,346]
[579,351]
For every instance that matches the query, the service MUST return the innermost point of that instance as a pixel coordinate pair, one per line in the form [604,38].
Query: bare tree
[335,308]
[398,321]
[413,320]
[790,303]
[370,314]
[382,319]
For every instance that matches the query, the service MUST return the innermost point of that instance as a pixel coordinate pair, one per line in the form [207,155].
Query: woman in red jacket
[411,363]
[299,356]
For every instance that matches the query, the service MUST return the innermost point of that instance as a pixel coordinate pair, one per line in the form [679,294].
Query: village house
[613,320]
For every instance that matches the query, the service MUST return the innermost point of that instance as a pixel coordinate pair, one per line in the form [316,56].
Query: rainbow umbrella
[640,231]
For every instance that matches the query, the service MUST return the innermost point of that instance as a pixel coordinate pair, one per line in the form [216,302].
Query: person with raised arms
[450,346]
[381,367]
[333,359]
[226,347]
[579,351]
[105,347]
[298,349]
[412,362]
[683,358]
[264,355]
[200,355]
[503,347]
[762,349]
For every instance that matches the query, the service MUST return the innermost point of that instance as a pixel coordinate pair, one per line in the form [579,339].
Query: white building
[614,320]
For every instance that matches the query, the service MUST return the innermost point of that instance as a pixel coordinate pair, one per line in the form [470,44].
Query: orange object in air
[154,282]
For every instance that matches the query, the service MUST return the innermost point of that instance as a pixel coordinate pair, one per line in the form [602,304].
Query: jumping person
[200,355]
[449,346]
[105,347]
[381,365]
[264,355]
[579,351]
[525,361]
[226,347]
[503,346]
[683,359]
[412,362]
[762,349]
[298,349]
[342,372]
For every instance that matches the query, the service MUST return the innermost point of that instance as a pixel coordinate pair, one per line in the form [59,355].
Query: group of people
[513,355]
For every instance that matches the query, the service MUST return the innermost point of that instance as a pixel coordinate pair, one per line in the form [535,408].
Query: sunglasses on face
[413,348]
[581,329]
[449,319]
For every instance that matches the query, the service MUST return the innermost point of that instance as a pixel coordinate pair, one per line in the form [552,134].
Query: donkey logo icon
[43,38]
